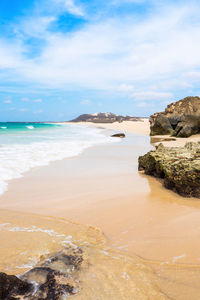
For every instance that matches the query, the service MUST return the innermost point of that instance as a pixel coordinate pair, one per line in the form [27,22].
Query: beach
[127,212]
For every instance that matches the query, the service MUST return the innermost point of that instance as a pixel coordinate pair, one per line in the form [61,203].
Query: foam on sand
[19,152]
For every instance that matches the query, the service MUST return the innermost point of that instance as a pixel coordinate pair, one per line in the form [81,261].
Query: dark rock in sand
[11,287]
[161,126]
[178,166]
[55,277]
[181,119]
[120,135]
[104,118]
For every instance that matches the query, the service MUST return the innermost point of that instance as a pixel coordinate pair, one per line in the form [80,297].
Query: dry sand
[137,127]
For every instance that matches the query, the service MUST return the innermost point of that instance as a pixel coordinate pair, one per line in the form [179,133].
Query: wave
[3,127]
[30,127]
[16,159]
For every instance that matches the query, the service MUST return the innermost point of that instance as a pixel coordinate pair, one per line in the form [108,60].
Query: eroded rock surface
[181,119]
[178,166]
[11,287]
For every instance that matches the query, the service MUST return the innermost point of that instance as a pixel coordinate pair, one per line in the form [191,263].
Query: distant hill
[104,118]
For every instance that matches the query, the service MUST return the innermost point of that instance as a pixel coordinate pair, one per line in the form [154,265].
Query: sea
[24,146]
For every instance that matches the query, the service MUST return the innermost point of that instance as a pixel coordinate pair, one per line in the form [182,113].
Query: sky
[62,58]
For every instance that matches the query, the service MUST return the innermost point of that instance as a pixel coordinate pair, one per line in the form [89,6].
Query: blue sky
[61,58]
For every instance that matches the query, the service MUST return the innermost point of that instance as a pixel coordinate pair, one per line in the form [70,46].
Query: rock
[104,118]
[178,166]
[181,119]
[161,126]
[51,280]
[11,287]
[120,135]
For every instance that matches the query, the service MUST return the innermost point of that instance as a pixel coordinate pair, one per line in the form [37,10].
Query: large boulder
[178,166]
[181,119]
[161,126]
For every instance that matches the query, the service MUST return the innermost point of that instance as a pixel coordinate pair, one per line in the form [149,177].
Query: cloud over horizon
[143,50]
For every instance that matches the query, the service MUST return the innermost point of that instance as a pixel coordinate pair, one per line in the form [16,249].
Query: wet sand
[103,188]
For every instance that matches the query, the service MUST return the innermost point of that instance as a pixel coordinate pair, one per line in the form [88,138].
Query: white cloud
[85,102]
[37,100]
[141,104]
[193,75]
[129,56]
[94,57]
[126,87]
[22,109]
[71,7]
[35,26]
[25,99]
[7,101]
[38,111]
[10,55]
[151,95]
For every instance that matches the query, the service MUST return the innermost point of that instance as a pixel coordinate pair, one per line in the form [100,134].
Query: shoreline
[140,128]
[102,188]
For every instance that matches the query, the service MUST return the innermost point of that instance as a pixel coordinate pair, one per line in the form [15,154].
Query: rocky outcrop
[120,135]
[181,119]
[11,287]
[178,166]
[55,277]
[104,118]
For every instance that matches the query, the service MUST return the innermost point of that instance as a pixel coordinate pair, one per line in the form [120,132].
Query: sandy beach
[138,216]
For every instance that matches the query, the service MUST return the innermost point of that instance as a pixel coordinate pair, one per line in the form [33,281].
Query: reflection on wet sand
[157,139]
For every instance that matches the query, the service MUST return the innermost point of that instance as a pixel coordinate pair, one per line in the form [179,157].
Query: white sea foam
[30,127]
[21,152]
[175,258]
[3,127]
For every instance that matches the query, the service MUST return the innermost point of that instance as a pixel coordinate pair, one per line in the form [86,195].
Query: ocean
[24,146]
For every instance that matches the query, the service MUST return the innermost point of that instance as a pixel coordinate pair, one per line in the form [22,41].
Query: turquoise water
[26,145]
[6,127]
[18,133]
